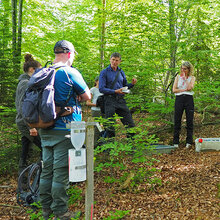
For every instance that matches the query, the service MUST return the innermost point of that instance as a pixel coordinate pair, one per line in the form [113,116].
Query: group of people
[68,85]
[54,143]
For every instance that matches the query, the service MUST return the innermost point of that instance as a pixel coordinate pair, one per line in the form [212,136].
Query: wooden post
[89,193]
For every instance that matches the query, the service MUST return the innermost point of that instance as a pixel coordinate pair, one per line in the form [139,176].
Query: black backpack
[38,107]
[28,185]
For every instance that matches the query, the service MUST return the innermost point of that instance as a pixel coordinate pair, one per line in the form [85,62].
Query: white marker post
[89,193]
[77,132]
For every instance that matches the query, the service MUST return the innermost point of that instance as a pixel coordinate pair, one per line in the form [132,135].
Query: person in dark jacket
[29,135]
[114,97]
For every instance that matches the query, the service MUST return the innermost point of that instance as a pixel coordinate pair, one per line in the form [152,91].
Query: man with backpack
[113,84]
[69,89]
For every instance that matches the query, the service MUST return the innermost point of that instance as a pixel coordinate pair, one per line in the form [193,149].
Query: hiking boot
[46,213]
[68,216]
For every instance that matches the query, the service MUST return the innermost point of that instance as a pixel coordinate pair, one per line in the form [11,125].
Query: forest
[153,37]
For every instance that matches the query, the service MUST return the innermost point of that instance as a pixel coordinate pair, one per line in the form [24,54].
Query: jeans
[117,104]
[183,102]
[54,178]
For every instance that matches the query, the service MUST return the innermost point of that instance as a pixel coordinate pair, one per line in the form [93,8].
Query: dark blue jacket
[107,77]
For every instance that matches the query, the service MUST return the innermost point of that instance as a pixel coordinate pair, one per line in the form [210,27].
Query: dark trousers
[117,104]
[97,133]
[183,102]
[26,142]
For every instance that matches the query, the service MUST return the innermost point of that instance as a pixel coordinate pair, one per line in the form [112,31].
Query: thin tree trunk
[4,50]
[102,46]
[16,35]
[172,42]
[174,39]
[19,31]
[14,30]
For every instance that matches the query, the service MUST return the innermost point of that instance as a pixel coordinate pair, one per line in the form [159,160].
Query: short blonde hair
[188,65]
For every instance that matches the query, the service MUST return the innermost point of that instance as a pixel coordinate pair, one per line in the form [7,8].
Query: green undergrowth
[9,143]
[126,161]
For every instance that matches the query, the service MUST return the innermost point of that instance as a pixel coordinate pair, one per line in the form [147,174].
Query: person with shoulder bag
[113,84]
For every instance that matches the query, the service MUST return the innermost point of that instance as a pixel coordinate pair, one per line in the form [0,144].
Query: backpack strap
[48,63]
[63,110]
[66,110]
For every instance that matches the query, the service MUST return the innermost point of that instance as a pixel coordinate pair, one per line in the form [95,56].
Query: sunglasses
[184,68]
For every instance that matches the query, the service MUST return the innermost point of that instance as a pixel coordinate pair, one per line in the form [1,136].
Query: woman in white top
[96,112]
[182,88]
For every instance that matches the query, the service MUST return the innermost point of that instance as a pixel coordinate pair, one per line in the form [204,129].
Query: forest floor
[190,188]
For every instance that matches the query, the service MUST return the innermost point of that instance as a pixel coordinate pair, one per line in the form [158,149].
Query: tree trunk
[14,31]
[16,35]
[5,52]
[172,42]
[102,40]
[174,39]
[19,32]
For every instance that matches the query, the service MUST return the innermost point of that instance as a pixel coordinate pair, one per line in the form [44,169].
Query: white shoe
[188,145]
[176,145]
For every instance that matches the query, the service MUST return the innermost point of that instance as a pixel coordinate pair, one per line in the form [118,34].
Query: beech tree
[153,36]
[16,34]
